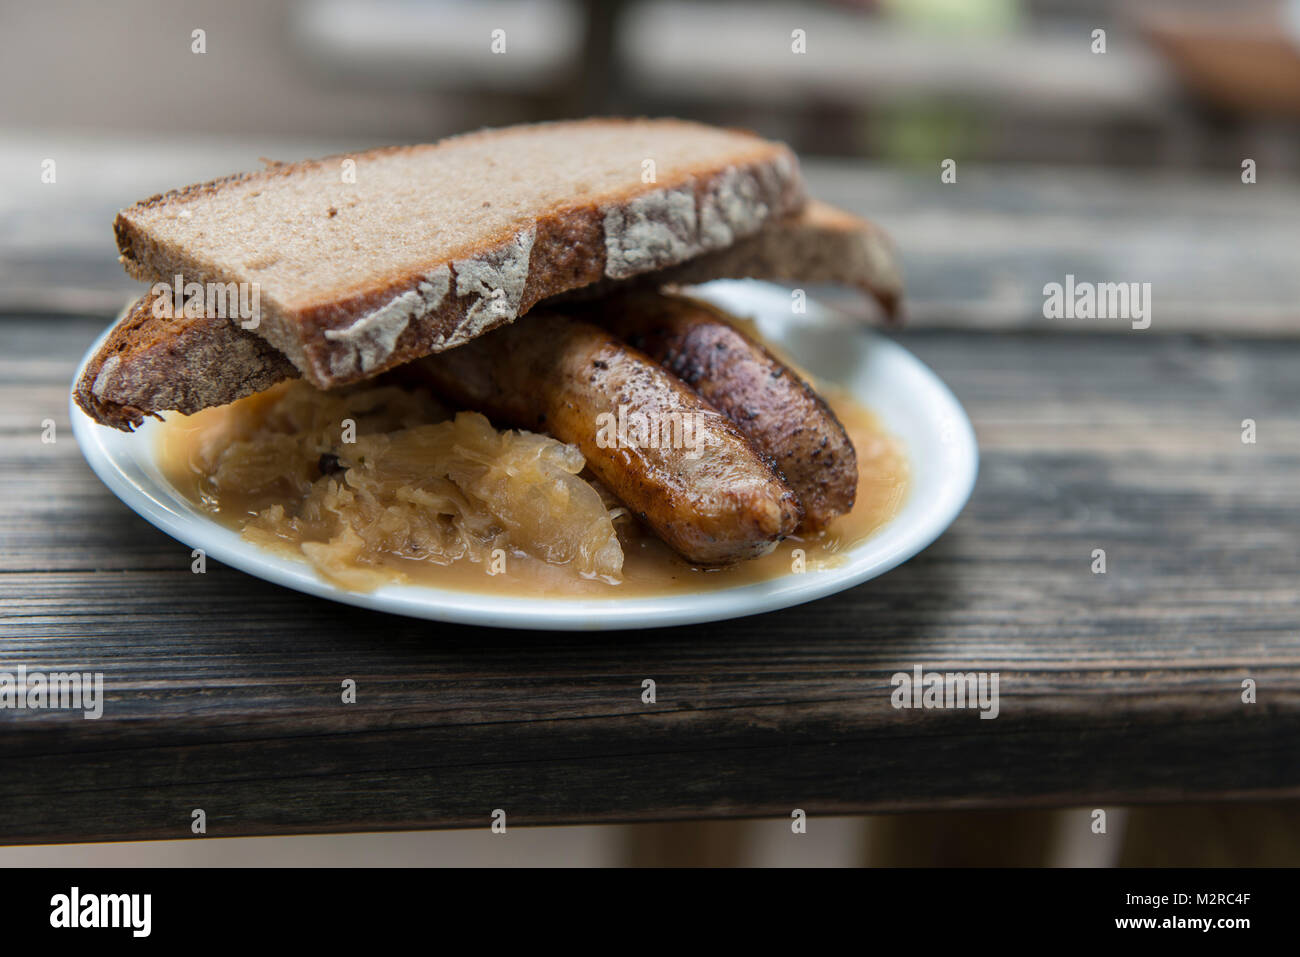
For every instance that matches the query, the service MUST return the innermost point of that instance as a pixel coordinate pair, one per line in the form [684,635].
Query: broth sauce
[650,568]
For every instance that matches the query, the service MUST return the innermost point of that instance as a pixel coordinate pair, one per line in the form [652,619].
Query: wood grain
[1219,254]
[222,691]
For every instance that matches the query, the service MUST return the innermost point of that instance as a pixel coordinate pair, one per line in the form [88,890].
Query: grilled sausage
[768,402]
[679,465]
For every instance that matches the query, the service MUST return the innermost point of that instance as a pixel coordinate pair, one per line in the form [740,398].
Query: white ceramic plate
[907,397]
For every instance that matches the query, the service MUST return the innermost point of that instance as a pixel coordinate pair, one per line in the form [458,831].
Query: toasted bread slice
[151,363]
[819,244]
[364,262]
[155,365]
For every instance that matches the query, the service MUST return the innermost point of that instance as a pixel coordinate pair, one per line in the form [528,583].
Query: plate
[908,399]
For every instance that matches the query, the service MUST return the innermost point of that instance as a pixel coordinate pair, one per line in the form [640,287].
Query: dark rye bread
[367,261]
[818,244]
[210,361]
[151,363]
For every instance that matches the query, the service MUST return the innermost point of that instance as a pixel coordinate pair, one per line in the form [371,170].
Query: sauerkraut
[361,481]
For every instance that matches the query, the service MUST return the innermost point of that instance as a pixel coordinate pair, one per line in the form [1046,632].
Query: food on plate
[693,477]
[475,353]
[766,399]
[419,484]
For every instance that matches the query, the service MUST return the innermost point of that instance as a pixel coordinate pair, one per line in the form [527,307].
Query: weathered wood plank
[1219,254]
[222,690]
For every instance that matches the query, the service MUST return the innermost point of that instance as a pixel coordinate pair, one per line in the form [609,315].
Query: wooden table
[223,692]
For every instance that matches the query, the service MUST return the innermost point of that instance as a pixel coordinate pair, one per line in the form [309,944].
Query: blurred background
[1106,120]
[1094,137]
[1185,84]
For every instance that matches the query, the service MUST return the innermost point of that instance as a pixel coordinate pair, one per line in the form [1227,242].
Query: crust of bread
[820,243]
[187,365]
[385,320]
[151,364]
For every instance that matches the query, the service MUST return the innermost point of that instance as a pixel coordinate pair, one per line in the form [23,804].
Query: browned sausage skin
[767,400]
[698,482]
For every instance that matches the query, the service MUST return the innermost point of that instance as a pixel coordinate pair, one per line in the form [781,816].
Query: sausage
[689,474]
[766,399]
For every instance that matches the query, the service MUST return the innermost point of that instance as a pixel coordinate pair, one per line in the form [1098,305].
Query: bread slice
[363,262]
[153,363]
[150,365]
[819,244]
